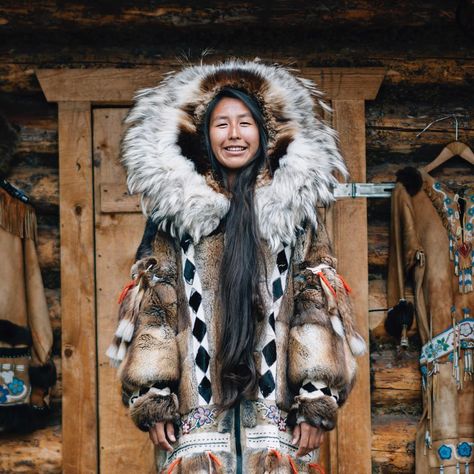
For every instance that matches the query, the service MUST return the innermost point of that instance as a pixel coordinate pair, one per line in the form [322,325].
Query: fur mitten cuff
[319,412]
[152,408]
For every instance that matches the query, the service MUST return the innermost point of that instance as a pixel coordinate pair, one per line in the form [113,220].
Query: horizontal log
[456,170]
[95,85]
[426,75]
[39,452]
[400,115]
[404,140]
[48,247]
[39,136]
[396,381]
[41,185]
[393,438]
[177,15]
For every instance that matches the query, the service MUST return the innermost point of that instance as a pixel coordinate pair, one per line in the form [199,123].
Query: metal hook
[439,120]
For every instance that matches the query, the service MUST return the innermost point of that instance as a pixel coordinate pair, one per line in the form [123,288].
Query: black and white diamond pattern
[312,389]
[267,381]
[193,288]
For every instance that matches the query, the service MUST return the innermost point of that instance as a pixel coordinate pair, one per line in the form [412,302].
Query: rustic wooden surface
[78,295]
[430,72]
[110,198]
[349,225]
[123,448]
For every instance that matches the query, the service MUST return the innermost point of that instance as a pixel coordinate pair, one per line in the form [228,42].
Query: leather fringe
[17,217]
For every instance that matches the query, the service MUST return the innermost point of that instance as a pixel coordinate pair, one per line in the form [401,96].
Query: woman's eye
[221,125]
[245,123]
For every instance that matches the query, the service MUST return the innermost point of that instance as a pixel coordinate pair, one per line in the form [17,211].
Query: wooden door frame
[76,91]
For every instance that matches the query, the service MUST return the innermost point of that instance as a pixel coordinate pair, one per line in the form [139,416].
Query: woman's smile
[233,133]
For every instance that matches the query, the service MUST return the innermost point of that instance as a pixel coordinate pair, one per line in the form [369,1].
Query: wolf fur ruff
[167,164]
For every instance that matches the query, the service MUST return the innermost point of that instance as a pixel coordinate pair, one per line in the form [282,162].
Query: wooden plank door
[117,233]
[118,229]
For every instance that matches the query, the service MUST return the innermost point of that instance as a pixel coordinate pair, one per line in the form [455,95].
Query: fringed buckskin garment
[432,239]
[26,338]
[170,324]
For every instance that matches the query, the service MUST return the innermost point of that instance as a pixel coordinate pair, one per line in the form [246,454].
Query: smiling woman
[233,133]
[236,341]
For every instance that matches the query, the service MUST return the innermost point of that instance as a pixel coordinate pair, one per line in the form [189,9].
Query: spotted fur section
[319,412]
[166,163]
[206,463]
[270,462]
[152,408]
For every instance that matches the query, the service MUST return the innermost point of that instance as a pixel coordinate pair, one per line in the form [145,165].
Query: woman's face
[233,133]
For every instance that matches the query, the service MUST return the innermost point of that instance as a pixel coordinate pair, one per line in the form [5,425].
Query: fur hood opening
[165,160]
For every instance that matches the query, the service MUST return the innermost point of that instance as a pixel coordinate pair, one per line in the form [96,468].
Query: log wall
[429,61]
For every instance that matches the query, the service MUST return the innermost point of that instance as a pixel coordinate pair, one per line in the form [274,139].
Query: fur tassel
[205,463]
[337,325]
[357,345]
[173,465]
[17,217]
[315,468]
[130,300]
[122,351]
[355,341]
[272,461]
[294,470]
[125,330]
[111,353]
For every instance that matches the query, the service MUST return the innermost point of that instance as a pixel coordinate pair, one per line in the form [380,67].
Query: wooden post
[353,437]
[79,418]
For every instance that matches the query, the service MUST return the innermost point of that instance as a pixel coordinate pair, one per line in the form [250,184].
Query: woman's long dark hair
[239,292]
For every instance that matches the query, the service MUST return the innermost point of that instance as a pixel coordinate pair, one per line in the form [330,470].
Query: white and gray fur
[176,196]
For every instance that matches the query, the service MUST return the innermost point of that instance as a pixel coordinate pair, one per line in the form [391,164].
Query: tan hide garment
[432,237]
[26,338]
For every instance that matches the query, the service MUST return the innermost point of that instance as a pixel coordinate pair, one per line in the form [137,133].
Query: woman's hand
[307,438]
[162,434]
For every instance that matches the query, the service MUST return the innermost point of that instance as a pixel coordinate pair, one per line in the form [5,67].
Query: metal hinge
[368,190]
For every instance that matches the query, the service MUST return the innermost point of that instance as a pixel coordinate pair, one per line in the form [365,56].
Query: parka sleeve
[405,249]
[146,335]
[322,339]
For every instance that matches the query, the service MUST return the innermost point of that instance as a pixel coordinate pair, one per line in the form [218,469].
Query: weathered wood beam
[77,289]
[350,238]
[120,85]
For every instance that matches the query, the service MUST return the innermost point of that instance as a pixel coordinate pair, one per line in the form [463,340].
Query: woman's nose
[234,131]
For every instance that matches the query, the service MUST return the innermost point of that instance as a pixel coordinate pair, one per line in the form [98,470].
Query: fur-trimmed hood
[166,162]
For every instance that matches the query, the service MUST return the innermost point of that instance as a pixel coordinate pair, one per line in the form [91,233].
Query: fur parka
[168,337]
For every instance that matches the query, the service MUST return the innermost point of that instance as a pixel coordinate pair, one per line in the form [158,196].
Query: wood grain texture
[123,448]
[214,13]
[350,244]
[77,289]
[39,452]
[120,85]
[115,198]
[393,446]
[422,71]
[396,383]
